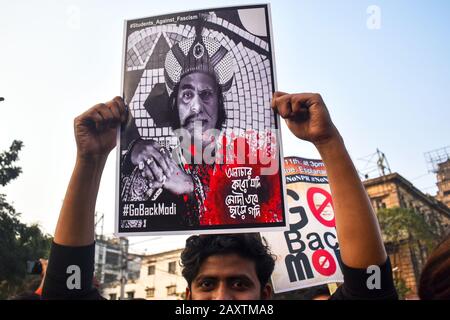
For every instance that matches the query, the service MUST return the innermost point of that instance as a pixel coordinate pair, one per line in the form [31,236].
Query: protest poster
[308,253]
[200,152]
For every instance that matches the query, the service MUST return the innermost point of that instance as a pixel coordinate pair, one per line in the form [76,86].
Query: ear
[266,293]
[188,294]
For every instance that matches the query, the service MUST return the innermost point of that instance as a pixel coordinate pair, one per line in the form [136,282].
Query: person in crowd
[222,266]
[434,283]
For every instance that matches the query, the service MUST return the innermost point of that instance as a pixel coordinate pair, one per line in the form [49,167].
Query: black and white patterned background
[247,103]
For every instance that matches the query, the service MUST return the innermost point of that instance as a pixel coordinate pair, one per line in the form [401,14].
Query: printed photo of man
[198,73]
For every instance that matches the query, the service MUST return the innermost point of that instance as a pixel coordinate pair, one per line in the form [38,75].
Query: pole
[123,265]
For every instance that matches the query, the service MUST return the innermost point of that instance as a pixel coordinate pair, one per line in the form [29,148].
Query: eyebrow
[187,86]
[234,277]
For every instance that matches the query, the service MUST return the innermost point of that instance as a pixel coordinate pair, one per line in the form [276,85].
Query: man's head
[227,267]
[434,281]
[198,71]
[197,101]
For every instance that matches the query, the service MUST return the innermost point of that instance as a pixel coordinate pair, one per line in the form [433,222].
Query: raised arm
[95,134]
[357,227]
[71,264]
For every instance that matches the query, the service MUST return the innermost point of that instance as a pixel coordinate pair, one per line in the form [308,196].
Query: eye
[206,94]
[187,94]
[206,285]
[240,285]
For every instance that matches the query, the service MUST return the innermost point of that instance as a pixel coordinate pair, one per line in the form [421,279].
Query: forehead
[198,79]
[227,266]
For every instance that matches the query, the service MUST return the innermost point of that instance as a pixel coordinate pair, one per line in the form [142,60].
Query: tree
[399,224]
[8,171]
[19,242]
[408,228]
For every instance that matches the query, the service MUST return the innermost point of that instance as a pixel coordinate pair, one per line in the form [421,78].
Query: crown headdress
[199,54]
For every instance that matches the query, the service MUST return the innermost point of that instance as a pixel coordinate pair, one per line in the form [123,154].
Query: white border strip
[118,155]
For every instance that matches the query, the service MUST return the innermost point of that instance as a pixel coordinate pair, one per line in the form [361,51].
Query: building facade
[108,256]
[443,182]
[392,191]
[160,279]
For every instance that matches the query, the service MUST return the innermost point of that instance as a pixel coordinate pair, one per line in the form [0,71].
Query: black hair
[248,246]
[434,283]
[175,117]
[314,292]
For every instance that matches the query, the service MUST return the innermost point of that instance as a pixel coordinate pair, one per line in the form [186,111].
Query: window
[378,203]
[417,210]
[150,292]
[151,270]
[110,277]
[171,290]
[130,295]
[172,267]
[112,258]
[401,200]
[112,296]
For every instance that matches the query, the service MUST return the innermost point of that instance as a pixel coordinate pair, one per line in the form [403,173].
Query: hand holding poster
[200,151]
[308,253]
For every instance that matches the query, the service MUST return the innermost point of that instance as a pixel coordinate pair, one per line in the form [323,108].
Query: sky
[384,77]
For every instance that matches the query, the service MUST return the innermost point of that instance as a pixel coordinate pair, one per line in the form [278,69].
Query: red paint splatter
[269,193]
